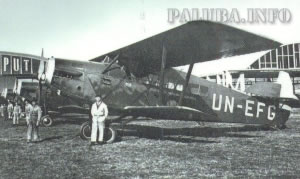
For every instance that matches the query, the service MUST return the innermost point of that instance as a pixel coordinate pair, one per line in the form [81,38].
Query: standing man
[17,112]
[5,112]
[99,112]
[10,109]
[33,117]
[1,110]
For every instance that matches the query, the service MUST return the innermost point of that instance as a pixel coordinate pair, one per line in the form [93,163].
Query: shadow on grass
[50,138]
[187,134]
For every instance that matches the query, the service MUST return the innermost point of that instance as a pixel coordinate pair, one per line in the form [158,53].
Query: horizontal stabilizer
[265,89]
[282,89]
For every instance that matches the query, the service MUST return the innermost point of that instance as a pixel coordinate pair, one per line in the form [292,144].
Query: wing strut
[187,79]
[162,74]
[111,63]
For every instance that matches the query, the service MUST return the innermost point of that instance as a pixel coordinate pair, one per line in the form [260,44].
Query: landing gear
[274,126]
[110,133]
[47,121]
[277,126]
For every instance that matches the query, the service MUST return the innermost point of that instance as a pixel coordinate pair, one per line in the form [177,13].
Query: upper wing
[193,42]
[169,112]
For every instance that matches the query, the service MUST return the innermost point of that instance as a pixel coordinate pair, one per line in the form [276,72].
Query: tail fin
[285,81]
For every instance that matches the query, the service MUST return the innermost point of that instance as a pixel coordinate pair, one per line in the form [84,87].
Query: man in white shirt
[99,113]
[10,109]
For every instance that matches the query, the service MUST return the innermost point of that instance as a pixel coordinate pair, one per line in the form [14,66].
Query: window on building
[297,55]
[285,50]
[285,62]
[280,63]
[291,59]
[291,49]
[268,60]
[297,47]
[262,62]
[297,60]
[254,65]
[286,57]
[273,58]
[279,51]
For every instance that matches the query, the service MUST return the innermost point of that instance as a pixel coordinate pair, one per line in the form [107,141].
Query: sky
[81,30]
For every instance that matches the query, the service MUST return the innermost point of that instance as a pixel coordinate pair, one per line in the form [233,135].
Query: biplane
[139,80]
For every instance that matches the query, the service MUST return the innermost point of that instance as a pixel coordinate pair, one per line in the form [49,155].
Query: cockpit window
[67,73]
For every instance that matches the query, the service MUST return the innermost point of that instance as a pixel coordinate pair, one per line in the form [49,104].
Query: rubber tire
[47,123]
[110,133]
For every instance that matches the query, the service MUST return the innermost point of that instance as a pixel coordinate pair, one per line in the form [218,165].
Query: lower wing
[169,112]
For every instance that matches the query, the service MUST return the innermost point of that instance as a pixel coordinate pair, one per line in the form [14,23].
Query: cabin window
[62,74]
[179,87]
[171,85]
[203,90]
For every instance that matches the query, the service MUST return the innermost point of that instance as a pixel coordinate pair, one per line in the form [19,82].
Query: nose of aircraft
[46,70]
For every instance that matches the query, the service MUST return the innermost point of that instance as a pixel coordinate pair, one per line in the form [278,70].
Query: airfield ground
[186,150]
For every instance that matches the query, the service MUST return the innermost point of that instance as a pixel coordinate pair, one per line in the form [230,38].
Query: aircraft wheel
[85,131]
[110,133]
[47,121]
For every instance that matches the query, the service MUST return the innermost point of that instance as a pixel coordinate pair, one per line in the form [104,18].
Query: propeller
[45,74]
[41,75]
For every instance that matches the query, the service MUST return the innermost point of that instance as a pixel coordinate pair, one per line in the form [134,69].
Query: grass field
[156,149]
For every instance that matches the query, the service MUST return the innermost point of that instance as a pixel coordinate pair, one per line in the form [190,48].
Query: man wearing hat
[99,112]
[33,117]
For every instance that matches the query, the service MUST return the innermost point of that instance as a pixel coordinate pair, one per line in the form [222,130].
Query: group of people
[32,113]
[11,112]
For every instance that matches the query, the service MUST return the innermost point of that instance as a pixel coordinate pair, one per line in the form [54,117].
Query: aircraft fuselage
[84,80]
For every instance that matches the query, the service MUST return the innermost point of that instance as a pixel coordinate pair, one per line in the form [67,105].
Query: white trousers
[16,118]
[10,114]
[98,124]
[33,129]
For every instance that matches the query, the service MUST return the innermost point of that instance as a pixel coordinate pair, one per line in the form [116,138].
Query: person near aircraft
[99,113]
[1,110]
[5,113]
[10,109]
[33,117]
[16,113]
